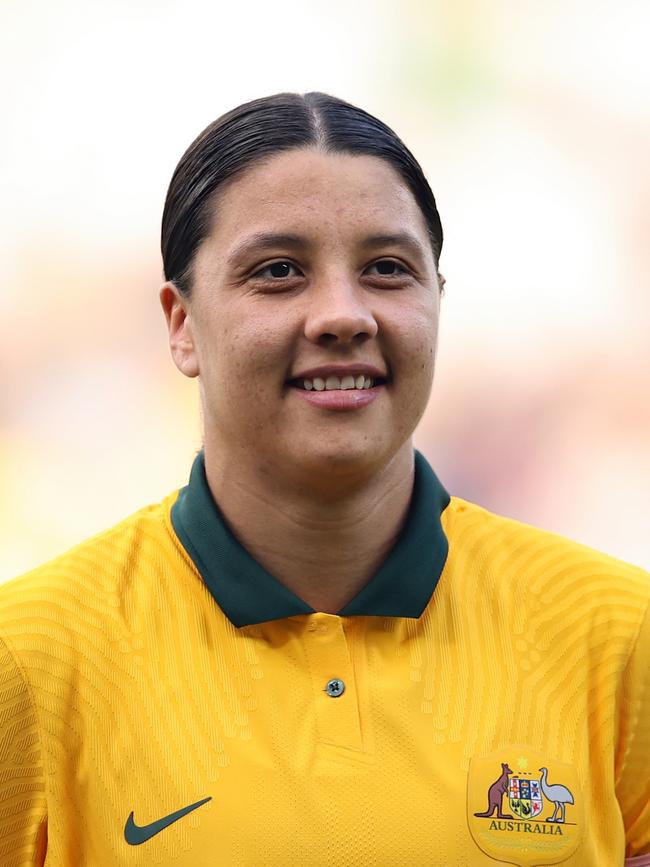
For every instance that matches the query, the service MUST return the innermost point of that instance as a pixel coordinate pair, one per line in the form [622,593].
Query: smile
[336,383]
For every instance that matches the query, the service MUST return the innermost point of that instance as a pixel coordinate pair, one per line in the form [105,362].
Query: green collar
[248,594]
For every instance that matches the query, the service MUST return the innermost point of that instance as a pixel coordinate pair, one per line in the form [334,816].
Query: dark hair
[257,130]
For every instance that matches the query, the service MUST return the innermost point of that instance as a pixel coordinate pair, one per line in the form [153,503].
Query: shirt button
[335,687]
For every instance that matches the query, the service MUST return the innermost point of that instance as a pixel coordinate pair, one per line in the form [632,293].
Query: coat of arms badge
[524,808]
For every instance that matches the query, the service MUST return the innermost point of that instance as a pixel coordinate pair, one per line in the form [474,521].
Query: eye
[388,268]
[276,271]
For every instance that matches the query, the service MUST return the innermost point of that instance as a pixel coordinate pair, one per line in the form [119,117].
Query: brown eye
[388,268]
[280,269]
[276,271]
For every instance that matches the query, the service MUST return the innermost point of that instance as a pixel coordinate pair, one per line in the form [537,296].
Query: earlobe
[179,324]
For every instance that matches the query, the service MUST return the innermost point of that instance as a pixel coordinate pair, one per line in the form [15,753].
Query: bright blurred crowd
[533,126]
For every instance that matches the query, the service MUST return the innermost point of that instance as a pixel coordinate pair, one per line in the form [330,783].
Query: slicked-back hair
[259,129]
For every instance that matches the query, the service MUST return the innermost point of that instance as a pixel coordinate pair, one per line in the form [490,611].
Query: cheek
[415,340]
[415,386]
[242,365]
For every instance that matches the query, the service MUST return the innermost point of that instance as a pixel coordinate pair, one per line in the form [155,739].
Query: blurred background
[532,123]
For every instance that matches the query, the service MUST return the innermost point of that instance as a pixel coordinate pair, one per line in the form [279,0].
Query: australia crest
[525,796]
[524,808]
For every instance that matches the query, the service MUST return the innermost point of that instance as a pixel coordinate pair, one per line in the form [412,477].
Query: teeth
[335,383]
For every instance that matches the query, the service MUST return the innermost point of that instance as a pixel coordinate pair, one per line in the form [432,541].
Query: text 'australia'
[528,827]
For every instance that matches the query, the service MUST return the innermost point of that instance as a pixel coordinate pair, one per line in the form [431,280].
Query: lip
[340,370]
[339,400]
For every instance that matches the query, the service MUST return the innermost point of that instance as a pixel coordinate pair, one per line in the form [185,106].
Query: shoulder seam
[633,644]
[12,653]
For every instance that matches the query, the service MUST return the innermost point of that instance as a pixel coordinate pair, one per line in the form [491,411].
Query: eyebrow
[268,240]
[265,241]
[400,239]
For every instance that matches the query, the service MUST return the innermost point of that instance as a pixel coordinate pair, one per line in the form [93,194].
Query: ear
[441,282]
[181,340]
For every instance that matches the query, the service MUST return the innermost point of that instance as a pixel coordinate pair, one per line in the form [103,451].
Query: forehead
[318,193]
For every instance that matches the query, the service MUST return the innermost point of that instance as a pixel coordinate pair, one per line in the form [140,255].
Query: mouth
[356,376]
[349,382]
[339,388]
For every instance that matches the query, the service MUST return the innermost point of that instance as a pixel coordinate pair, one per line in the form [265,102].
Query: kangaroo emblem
[495,795]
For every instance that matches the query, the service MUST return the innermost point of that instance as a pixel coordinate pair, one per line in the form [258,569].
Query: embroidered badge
[524,808]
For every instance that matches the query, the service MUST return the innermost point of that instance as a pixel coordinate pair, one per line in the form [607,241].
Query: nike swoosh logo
[136,834]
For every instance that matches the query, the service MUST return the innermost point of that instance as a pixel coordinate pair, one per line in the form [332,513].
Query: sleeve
[633,752]
[23,805]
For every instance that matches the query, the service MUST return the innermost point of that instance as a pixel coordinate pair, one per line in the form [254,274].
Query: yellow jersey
[484,699]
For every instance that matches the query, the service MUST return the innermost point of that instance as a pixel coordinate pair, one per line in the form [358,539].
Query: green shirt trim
[248,594]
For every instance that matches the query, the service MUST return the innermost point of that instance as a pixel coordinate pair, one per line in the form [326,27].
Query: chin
[332,460]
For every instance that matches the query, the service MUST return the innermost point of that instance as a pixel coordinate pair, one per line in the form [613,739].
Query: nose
[338,312]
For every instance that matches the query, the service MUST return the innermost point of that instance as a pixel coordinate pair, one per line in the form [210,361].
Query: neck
[323,542]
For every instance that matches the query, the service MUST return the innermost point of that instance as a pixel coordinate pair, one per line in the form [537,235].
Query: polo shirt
[484,699]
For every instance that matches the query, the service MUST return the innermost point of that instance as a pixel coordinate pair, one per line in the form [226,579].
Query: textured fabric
[127,696]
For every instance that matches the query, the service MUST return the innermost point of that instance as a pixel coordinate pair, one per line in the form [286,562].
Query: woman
[312,654]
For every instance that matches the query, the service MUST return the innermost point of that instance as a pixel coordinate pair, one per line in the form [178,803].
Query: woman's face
[313,318]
